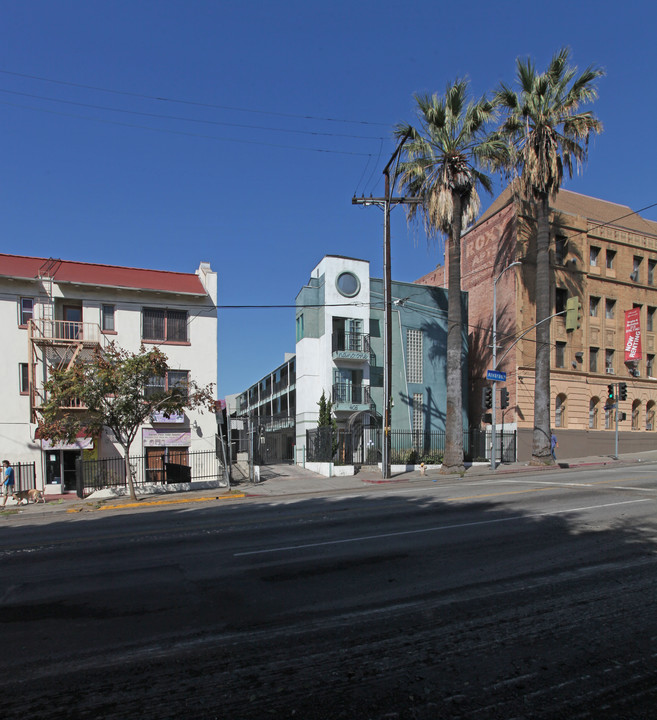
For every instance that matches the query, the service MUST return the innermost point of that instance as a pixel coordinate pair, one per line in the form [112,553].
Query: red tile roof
[67,271]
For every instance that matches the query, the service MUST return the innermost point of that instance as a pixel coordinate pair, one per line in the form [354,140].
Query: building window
[593,413]
[23,378]
[173,379]
[593,359]
[560,298]
[651,271]
[636,268]
[560,249]
[609,361]
[164,325]
[300,327]
[25,310]
[178,380]
[107,318]
[594,254]
[611,257]
[650,324]
[636,412]
[414,356]
[650,415]
[560,411]
[561,354]
[594,304]
[609,417]
[348,284]
[156,385]
[610,309]
[650,362]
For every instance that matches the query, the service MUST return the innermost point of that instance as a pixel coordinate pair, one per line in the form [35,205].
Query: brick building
[602,253]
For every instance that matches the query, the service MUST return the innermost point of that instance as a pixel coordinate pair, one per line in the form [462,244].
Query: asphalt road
[513,597]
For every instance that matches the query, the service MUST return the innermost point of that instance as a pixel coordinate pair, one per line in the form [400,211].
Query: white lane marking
[436,528]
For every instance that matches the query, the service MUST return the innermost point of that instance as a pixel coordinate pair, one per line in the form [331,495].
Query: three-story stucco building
[53,311]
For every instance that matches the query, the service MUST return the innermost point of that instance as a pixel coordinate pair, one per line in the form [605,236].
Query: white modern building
[53,311]
[339,353]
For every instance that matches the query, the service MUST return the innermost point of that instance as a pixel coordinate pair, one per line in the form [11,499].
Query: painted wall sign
[156,438]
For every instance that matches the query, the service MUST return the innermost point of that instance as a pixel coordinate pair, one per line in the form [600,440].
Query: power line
[191,102]
[187,119]
[187,134]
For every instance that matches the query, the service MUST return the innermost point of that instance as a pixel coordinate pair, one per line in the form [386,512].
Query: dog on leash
[32,494]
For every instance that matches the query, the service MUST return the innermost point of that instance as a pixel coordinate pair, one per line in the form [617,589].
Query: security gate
[273,440]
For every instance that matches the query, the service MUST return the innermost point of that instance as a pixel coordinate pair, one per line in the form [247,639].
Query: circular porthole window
[348,284]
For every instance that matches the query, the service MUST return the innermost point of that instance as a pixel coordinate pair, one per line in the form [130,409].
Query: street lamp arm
[520,337]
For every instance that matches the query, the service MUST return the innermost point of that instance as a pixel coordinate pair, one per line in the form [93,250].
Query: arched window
[593,413]
[650,415]
[636,412]
[560,411]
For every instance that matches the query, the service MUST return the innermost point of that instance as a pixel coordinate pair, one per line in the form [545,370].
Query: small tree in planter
[114,390]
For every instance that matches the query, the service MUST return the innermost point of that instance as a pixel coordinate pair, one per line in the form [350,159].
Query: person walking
[8,481]
[554,445]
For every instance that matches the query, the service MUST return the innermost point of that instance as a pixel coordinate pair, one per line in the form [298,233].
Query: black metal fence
[110,472]
[363,446]
[24,476]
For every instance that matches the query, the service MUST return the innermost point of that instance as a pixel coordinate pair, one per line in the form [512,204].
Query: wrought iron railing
[350,394]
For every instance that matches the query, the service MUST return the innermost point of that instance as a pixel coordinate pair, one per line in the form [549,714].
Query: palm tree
[441,167]
[547,134]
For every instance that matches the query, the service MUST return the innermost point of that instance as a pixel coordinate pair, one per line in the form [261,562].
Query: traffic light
[504,398]
[610,393]
[487,398]
[622,391]
[573,313]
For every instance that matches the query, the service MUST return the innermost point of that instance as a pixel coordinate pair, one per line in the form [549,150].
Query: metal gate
[273,440]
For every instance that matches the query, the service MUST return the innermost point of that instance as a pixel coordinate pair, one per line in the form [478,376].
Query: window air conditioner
[634,275]
[610,371]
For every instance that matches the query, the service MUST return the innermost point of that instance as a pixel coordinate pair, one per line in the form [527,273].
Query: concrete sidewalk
[290,480]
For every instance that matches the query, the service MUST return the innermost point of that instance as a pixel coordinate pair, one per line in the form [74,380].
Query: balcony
[351,398]
[351,346]
[64,332]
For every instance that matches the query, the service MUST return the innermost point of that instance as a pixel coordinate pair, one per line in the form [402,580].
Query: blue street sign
[496,375]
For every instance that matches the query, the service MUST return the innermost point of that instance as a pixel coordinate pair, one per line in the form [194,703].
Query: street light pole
[493,429]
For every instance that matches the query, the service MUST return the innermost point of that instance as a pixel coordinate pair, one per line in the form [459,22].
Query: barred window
[178,380]
[155,386]
[164,325]
[414,356]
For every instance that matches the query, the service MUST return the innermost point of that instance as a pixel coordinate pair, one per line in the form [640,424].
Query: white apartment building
[53,311]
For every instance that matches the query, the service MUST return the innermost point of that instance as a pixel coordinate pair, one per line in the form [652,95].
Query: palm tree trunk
[453,459]
[541,453]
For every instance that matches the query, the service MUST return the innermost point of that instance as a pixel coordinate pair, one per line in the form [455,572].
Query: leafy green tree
[114,390]
[547,134]
[442,165]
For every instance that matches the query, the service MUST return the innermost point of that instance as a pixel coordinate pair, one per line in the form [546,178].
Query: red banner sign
[633,334]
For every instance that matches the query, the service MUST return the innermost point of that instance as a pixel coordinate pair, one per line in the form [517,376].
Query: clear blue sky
[166,132]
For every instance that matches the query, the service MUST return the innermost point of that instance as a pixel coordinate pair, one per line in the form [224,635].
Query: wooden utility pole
[385,203]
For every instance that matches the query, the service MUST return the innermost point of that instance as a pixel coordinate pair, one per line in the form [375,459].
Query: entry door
[72,322]
[68,467]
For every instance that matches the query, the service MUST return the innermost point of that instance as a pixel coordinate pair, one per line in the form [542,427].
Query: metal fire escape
[55,343]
